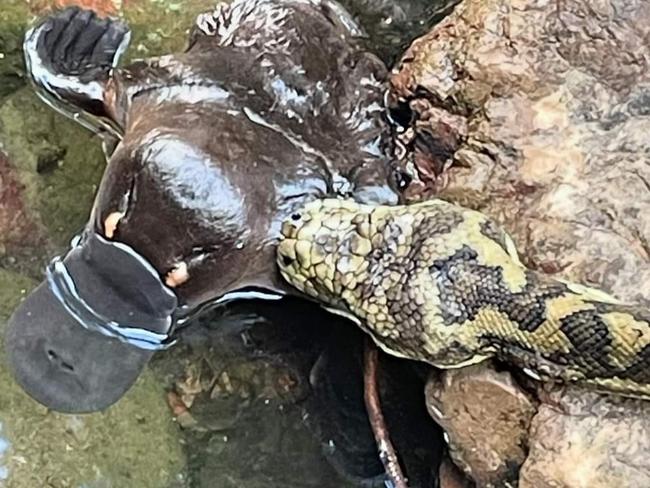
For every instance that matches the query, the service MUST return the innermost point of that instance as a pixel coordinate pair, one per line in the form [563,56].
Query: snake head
[324,250]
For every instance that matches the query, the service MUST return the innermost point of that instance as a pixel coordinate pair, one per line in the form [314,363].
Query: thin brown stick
[386,449]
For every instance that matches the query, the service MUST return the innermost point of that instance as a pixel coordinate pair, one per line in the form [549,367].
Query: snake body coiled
[443,284]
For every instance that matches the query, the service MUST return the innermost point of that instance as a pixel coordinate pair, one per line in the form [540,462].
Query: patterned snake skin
[443,284]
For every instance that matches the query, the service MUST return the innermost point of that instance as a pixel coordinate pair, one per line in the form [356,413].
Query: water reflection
[274,394]
[243,398]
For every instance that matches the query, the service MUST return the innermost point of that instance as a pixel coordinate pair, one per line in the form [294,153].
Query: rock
[486,416]
[500,436]
[583,439]
[537,113]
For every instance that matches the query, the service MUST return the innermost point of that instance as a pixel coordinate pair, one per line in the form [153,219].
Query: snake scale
[443,284]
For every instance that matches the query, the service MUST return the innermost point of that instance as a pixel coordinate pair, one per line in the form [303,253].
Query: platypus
[274,103]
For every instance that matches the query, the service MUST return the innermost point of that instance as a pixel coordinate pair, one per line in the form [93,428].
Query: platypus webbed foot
[69,56]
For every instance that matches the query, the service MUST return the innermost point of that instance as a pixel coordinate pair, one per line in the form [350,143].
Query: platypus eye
[402,179]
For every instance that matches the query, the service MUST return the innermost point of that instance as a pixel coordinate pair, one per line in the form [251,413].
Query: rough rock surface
[536,112]
[500,435]
[487,436]
[602,439]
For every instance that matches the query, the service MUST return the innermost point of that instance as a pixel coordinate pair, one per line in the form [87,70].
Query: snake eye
[286,260]
[295,216]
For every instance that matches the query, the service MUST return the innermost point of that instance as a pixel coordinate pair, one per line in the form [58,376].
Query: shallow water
[231,406]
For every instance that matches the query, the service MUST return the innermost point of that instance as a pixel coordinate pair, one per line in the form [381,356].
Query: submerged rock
[276,399]
[536,113]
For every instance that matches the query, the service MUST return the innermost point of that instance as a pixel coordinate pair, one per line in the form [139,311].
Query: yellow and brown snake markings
[443,284]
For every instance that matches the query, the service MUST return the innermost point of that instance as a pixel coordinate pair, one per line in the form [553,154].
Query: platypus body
[273,104]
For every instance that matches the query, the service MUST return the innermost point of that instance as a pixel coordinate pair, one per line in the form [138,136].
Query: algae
[60,192]
[134,443]
[13,287]
[13,16]
[161,26]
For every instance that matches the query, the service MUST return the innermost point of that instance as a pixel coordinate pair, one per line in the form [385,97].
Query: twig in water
[387,452]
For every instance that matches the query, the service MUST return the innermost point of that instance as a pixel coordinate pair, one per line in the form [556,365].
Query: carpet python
[443,284]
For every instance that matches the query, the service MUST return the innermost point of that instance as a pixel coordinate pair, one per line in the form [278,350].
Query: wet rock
[583,439]
[545,128]
[486,416]
[499,435]
[536,113]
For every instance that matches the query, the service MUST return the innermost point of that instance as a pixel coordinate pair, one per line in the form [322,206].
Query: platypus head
[172,228]
[79,348]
